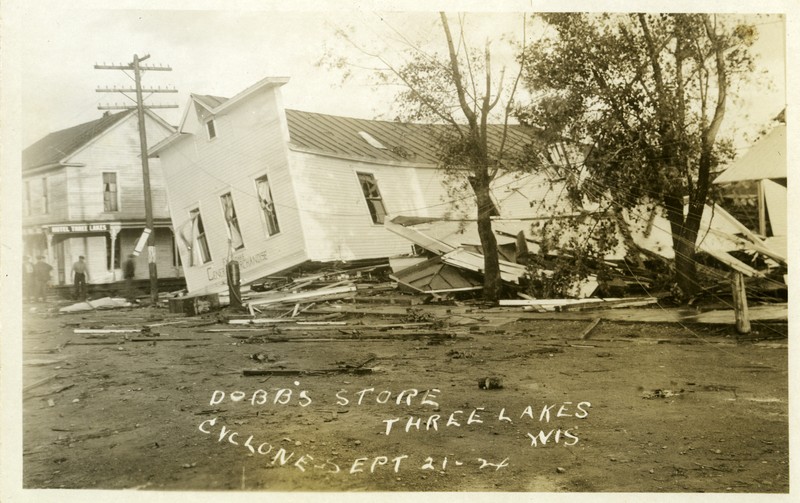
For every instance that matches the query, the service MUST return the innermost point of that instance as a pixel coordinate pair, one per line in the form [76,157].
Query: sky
[222,51]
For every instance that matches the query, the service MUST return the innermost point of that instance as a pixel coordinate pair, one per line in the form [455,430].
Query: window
[176,256]
[45,200]
[27,209]
[117,252]
[211,129]
[267,205]
[373,197]
[110,192]
[200,246]
[234,234]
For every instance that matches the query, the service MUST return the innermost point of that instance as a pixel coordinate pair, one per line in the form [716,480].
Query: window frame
[45,195]
[116,206]
[376,218]
[27,202]
[198,247]
[234,219]
[211,129]
[268,222]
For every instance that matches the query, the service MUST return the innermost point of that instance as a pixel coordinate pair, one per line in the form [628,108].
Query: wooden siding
[116,151]
[250,143]
[57,201]
[336,219]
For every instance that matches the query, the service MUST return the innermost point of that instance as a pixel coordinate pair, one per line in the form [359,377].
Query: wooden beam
[740,303]
[588,330]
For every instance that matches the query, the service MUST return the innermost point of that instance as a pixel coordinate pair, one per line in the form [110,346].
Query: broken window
[200,243]
[211,129]
[234,234]
[110,192]
[267,205]
[373,196]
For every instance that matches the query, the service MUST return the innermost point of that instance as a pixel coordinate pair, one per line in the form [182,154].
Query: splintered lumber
[108,343]
[289,372]
[267,321]
[326,293]
[38,383]
[107,330]
[169,339]
[577,304]
[588,330]
[254,321]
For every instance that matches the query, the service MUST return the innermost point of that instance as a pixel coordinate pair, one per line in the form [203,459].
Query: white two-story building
[83,195]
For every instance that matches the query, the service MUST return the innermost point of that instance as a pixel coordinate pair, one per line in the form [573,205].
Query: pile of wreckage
[448,263]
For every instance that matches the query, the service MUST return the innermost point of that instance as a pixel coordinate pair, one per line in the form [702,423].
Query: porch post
[113,230]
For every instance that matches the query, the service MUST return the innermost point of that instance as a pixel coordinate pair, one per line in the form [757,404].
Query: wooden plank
[315,295]
[740,303]
[733,263]
[588,330]
[39,383]
[169,339]
[107,331]
[288,372]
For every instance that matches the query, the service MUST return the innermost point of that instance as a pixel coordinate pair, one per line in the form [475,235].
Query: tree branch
[457,80]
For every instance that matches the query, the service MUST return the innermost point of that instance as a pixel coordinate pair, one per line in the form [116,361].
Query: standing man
[79,277]
[129,271]
[41,275]
[27,278]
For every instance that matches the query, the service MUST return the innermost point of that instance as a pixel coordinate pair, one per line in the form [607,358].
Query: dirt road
[474,402]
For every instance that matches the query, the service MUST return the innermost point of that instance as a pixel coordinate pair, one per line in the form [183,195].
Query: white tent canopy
[766,159]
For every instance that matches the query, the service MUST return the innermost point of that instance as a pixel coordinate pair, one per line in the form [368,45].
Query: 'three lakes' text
[437,421]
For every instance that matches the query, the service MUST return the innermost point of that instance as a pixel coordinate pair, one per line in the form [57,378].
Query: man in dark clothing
[41,275]
[79,276]
[129,271]
[27,278]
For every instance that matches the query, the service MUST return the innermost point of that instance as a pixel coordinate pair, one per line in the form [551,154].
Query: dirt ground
[633,407]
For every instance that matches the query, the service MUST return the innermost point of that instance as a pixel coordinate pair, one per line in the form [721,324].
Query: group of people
[36,278]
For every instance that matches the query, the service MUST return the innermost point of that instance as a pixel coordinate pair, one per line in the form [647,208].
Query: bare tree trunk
[492,282]
[685,266]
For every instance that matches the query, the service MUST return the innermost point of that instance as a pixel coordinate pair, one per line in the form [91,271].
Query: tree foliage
[456,88]
[648,94]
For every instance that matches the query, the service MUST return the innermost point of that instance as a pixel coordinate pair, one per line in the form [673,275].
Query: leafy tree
[456,89]
[648,93]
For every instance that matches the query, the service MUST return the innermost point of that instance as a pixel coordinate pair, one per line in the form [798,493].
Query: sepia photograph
[328,250]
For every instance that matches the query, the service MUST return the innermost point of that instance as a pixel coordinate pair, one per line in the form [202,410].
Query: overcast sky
[222,52]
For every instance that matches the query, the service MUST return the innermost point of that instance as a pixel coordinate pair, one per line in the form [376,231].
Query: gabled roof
[766,159]
[54,147]
[372,140]
[402,142]
[364,138]
[208,101]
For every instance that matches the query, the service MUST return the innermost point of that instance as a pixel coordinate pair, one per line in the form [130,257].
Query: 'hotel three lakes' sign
[66,229]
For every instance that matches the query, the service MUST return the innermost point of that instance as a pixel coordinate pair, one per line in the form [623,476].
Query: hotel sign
[66,229]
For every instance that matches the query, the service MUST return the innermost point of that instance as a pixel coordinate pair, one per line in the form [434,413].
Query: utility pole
[138,69]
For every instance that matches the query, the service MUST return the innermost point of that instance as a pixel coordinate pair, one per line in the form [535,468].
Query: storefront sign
[65,229]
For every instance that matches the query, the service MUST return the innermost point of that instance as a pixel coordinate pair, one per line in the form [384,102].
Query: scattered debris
[102,303]
[661,393]
[588,330]
[490,383]
[298,372]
